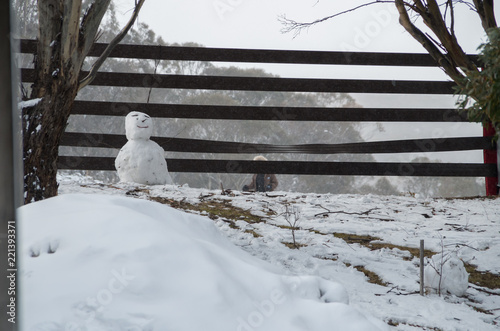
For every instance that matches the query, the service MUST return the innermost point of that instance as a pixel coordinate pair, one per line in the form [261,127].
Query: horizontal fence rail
[298,168]
[212,146]
[181,53]
[269,84]
[275,84]
[271,113]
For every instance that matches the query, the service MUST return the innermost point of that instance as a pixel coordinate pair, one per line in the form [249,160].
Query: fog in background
[254,24]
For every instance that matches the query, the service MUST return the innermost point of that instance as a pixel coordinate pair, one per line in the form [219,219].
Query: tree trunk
[56,84]
[43,126]
[64,40]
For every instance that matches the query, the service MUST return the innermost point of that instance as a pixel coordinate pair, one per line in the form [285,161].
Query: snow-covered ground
[99,257]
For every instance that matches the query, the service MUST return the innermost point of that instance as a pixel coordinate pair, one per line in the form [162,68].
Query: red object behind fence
[490,156]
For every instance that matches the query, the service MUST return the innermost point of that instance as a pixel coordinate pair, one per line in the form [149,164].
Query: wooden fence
[423,116]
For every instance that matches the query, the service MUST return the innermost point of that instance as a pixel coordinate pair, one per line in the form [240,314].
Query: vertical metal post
[422,267]
[8,267]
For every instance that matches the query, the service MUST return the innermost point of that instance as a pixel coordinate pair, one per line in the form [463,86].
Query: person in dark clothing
[262,182]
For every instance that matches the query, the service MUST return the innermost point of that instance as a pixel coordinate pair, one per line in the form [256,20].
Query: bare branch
[157,63]
[452,23]
[468,4]
[297,27]
[48,11]
[427,43]
[435,21]
[437,43]
[449,6]
[70,29]
[90,25]
[95,67]
[486,13]
[421,7]
[344,212]
[489,13]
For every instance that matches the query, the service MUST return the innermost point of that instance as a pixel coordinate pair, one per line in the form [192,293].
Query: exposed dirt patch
[293,245]
[368,241]
[214,209]
[372,277]
[396,323]
[481,278]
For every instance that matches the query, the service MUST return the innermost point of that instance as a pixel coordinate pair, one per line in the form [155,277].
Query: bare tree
[65,37]
[439,17]
[292,215]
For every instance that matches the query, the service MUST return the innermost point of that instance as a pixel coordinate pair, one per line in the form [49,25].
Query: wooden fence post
[490,156]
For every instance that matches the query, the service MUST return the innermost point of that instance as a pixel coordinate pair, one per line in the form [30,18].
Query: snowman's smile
[142,127]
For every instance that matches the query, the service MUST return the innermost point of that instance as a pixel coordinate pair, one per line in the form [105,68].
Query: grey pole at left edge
[8,299]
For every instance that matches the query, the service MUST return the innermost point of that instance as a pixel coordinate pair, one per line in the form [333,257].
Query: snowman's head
[138,126]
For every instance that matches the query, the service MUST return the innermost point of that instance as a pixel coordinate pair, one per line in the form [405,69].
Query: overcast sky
[254,24]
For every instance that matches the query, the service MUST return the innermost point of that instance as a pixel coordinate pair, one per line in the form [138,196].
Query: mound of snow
[95,262]
[446,273]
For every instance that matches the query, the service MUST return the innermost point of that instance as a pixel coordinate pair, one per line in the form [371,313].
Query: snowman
[141,160]
[447,273]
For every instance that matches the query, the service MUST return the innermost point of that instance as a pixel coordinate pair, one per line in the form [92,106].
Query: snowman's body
[141,160]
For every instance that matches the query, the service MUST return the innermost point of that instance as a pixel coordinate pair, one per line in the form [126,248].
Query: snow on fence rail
[488,170]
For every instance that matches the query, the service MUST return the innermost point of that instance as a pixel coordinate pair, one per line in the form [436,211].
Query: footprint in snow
[46,246]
